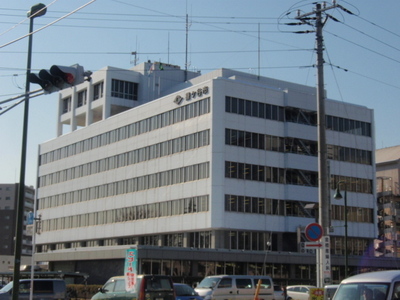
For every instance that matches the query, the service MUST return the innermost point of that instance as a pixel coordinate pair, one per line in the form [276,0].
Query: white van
[384,285]
[243,287]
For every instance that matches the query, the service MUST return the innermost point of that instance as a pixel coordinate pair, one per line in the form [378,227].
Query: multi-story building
[388,193]
[8,214]
[207,175]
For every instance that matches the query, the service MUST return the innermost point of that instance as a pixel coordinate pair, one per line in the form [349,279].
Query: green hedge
[81,291]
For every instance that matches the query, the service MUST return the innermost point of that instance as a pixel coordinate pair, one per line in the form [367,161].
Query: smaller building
[8,213]
[388,194]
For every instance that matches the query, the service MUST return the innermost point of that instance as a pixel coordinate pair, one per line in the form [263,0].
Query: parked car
[43,289]
[185,292]
[279,294]
[149,287]
[243,287]
[329,291]
[299,292]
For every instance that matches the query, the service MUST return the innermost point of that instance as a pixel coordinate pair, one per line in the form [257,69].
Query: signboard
[316,294]
[30,218]
[326,258]
[313,232]
[130,272]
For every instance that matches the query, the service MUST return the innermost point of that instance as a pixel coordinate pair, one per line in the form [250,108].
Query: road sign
[311,245]
[313,232]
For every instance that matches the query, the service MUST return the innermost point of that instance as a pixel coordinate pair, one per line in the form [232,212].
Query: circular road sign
[314,232]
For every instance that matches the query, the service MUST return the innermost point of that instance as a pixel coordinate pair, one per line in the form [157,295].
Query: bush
[81,291]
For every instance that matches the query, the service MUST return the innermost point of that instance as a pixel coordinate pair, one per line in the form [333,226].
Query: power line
[158,53]
[363,47]
[59,19]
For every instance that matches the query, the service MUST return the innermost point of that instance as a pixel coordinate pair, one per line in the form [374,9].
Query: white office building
[205,174]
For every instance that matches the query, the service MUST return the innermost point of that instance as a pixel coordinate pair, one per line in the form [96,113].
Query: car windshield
[157,283]
[208,283]
[356,291]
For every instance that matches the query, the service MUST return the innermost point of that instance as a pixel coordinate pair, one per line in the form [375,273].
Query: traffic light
[59,77]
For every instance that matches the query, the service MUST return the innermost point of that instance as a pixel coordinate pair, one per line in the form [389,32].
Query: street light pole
[35,11]
[338,196]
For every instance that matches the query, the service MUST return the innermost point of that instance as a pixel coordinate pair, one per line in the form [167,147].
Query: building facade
[8,213]
[205,176]
[388,193]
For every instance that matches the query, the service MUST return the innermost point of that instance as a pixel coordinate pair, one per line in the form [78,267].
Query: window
[225,283]
[66,104]
[124,89]
[244,283]
[82,95]
[98,90]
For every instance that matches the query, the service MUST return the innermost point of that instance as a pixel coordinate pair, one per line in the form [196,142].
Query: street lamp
[35,11]
[338,196]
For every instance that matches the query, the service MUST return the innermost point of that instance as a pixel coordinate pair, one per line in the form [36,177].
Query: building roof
[387,154]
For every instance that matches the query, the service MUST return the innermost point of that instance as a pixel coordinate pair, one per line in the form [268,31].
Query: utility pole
[323,255]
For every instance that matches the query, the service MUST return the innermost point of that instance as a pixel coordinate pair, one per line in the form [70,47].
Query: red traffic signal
[59,77]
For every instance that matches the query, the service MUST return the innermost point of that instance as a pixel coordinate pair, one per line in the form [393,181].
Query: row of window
[292,176]
[131,185]
[184,143]
[270,174]
[167,118]
[235,240]
[200,239]
[267,142]
[98,92]
[133,213]
[291,114]
[124,89]
[292,208]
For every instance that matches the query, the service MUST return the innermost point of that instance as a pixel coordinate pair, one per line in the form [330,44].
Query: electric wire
[59,19]
[23,21]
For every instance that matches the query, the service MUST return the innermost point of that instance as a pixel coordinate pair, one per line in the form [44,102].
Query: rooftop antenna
[259,58]
[135,60]
[187,42]
[186,51]
[168,47]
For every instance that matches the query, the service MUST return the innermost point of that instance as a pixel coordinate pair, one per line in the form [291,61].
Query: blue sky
[362,53]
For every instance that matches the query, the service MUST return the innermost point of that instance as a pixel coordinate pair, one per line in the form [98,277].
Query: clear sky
[362,53]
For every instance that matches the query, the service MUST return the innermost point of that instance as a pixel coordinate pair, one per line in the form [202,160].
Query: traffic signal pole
[36,11]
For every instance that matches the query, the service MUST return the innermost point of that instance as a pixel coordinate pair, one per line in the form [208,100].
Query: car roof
[42,279]
[138,276]
[240,276]
[379,276]
[309,286]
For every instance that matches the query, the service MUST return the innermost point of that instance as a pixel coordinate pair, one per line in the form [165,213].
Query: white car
[299,292]
[278,293]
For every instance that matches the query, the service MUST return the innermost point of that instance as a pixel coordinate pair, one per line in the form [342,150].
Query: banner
[130,272]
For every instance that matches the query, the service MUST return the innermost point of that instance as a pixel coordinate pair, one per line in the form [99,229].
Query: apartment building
[205,174]
[388,193]
[8,213]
